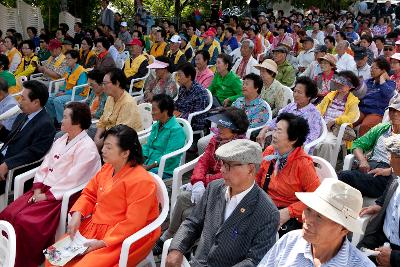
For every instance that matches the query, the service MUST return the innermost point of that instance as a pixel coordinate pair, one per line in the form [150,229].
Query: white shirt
[364,72]
[391,222]
[232,202]
[305,58]
[345,62]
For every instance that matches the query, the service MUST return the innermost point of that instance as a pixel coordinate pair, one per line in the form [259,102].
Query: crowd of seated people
[337,68]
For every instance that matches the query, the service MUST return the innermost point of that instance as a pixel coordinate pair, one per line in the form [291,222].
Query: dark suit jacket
[242,240]
[374,232]
[31,143]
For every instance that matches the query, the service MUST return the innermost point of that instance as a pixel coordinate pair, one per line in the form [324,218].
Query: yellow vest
[186,49]
[177,56]
[193,40]
[58,62]
[72,79]
[158,49]
[212,48]
[90,54]
[131,68]
[12,53]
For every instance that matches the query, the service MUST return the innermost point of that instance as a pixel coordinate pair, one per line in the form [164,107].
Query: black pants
[368,185]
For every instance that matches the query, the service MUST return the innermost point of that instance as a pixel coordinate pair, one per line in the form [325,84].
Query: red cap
[208,33]
[54,43]
[136,41]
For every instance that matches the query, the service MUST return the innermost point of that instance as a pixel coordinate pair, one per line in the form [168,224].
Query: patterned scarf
[280,160]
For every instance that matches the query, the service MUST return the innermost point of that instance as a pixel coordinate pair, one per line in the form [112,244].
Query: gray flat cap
[240,150]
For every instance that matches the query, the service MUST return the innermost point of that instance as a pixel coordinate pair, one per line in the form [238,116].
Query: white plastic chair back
[76,87]
[164,255]
[288,95]
[163,200]
[191,115]
[145,115]
[7,244]
[321,138]
[323,168]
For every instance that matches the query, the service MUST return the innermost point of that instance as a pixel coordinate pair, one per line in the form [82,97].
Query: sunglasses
[388,49]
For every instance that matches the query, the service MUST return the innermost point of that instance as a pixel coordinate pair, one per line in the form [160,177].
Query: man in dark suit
[384,227]
[235,220]
[32,133]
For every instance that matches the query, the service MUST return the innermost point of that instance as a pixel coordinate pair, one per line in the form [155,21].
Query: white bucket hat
[337,201]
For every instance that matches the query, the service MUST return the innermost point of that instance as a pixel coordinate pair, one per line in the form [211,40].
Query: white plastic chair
[146,118]
[138,95]
[288,95]
[56,84]
[76,87]
[319,139]
[10,176]
[347,164]
[19,183]
[162,196]
[188,143]
[323,168]
[7,244]
[364,222]
[164,255]
[191,115]
[251,130]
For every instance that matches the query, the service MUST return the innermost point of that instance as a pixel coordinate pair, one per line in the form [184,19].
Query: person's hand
[187,187]
[284,216]
[37,198]
[364,166]
[174,259]
[99,142]
[40,69]
[151,166]
[177,113]
[227,102]
[371,210]
[74,224]
[330,124]
[383,258]
[197,192]
[261,136]
[3,171]
[381,172]
[93,245]
[60,93]
[384,77]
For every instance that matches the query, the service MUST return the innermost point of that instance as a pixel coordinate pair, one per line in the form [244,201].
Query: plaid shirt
[193,100]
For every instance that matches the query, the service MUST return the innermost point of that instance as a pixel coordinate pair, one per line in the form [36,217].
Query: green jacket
[229,86]
[367,142]
[162,141]
[286,74]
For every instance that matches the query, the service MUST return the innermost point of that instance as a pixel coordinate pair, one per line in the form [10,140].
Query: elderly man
[235,220]
[210,46]
[374,173]
[286,72]
[124,34]
[55,67]
[136,65]
[306,56]
[330,214]
[384,227]
[175,55]
[313,69]
[344,60]
[246,63]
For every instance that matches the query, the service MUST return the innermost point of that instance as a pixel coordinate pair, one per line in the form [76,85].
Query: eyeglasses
[388,49]
[228,166]
[104,83]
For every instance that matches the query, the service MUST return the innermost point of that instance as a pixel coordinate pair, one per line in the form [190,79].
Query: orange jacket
[298,175]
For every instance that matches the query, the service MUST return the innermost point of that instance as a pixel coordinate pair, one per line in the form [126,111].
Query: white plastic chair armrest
[251,130]
[53,83]
[164,158]
[194,114]
[145,131]
[177,178]
[75,88]
[164,255]
[20,180]
[348,162]
[133,81]
[363,221]
[143,138]
[322,137]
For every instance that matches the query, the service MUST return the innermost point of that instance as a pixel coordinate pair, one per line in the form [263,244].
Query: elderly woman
[87,56]
[304,91]
[323,80]
[338,107]
[285,163]
[273,91]
[120,200]
[232,124]
[74,76]
[226,86]
[163,82]
[380,89]
[323,239]
[166,136]
[72,161]
[204,75]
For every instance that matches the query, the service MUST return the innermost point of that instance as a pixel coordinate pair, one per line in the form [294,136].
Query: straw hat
[337,201]
[330,58]
[268,64]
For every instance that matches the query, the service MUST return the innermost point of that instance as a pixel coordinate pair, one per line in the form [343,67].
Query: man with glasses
[29,62]
[235,221]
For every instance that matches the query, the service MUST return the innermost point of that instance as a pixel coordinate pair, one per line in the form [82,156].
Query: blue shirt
[193,100]
[256,110]
[7,103]
[376,100]
[293,250]
[231,44]
[391,222]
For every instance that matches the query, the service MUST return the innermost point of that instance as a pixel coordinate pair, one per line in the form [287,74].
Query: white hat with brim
[158,65]
[337,201]
[268,64]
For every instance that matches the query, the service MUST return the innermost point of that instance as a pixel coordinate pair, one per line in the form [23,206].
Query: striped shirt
[391,222]
[293,250]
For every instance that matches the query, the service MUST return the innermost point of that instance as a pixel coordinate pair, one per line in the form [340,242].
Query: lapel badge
[242,210]
[56,156]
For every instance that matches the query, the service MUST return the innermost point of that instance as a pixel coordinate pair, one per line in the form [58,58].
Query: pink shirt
[204,77]
[68,165]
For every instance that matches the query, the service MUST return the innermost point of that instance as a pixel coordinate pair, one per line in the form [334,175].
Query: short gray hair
[249,42]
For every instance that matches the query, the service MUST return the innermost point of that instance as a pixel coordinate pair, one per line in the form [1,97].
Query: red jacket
[298,175]
[208,167]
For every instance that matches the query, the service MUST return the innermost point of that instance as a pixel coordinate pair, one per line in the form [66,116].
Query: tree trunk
[178,11]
